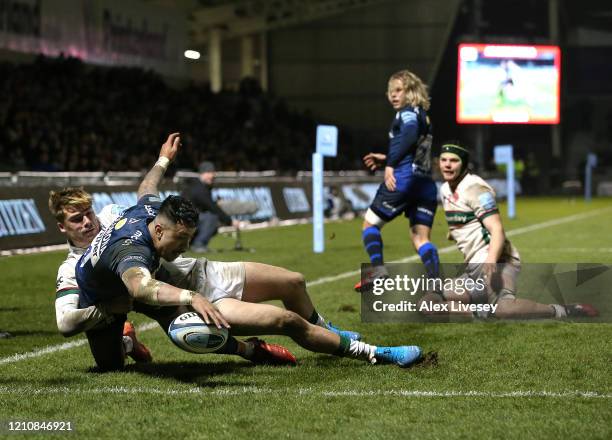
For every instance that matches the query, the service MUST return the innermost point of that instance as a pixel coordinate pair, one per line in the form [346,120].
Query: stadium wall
[107,32]
[25,221]
[338,67]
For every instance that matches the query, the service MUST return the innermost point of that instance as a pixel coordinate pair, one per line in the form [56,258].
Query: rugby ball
[190,333]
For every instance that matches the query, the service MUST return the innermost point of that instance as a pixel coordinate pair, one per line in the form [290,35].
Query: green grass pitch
[505,380]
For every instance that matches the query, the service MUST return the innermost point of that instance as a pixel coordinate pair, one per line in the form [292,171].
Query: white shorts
[503,284]
[215,280]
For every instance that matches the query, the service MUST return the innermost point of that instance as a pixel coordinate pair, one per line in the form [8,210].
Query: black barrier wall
[25,220]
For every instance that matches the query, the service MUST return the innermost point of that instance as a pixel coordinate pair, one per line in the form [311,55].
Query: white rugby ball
[190,333]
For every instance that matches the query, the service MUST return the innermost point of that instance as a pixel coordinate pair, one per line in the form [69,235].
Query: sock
[345,343]
[246,349]
[429,256]
[230,347]
[361,350]
[355,349]
[559,311]
[128,344]
[317,319]
[372,241]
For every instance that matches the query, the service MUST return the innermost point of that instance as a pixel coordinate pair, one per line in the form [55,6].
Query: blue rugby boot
[404,355]
[353,336]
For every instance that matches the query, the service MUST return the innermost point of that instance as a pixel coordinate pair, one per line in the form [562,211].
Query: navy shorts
[415,196]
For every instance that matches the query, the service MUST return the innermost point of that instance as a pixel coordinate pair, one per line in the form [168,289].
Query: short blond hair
[69,196]
[416,90]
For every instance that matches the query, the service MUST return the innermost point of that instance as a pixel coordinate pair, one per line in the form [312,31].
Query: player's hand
[488,272]
[171,146]
[208,311]
[119,305]
[374,161]
[390,182]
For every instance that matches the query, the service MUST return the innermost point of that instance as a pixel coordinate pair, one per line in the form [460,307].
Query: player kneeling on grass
[475,224]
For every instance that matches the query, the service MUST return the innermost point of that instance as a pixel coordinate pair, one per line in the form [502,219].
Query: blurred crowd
[59,114]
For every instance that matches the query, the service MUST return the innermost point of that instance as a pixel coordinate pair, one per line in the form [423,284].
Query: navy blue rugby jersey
[124,244]
[410,143]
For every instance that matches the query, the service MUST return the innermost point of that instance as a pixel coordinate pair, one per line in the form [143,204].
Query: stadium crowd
[59,114]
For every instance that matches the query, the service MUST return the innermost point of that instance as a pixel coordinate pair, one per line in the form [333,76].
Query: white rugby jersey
[465,209]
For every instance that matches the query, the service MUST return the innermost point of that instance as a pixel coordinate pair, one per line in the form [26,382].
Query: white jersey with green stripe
[472,201]
[69,318]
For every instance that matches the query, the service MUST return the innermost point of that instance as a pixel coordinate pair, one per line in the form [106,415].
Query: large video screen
[504,84]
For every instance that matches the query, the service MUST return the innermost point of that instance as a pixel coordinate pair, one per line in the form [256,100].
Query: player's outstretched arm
[150,183]
[144,288]
[71,320]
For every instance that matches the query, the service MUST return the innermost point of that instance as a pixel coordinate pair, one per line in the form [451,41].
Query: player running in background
[475,224]
[408,187]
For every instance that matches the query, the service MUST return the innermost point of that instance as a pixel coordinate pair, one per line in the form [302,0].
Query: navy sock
[230,347]
[372,241]
[429,256]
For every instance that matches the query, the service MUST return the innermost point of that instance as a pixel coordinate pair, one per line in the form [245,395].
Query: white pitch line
[556,222]
[61,347]
[572,249]
[447,249]
[66,346]
[41,351]
[29,391]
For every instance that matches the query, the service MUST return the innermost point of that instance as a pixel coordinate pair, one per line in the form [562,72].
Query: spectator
[89,118]
[211,215]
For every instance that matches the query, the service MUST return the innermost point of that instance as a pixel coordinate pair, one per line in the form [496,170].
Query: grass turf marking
[526,229]
[29,391]
[447,249]
[61,347]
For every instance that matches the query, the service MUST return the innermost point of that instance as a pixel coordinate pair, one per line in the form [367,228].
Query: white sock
[321,322]
[317,319]
[128,344]
[560,311]
[361,350]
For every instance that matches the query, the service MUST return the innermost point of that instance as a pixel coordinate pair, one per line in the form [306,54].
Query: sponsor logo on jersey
[408,116]
[456,218]
[486,200]
[425,211]
[139,258]
[94,252]
[149,210]
[135,236]
[389,206]
[131,221]
[120,223]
